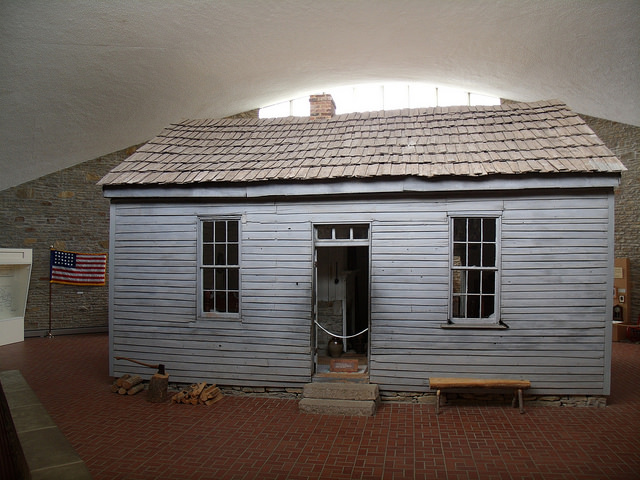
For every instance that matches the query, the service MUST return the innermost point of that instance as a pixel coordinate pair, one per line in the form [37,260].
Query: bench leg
[515,397]
[438,402]
[520,400]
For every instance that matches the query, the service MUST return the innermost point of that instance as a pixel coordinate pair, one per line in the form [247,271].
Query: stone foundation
[269,392]
[496,398]
[429,398]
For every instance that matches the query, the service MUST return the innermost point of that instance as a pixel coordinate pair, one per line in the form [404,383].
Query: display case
[622,291]
[621,299]
[15,273]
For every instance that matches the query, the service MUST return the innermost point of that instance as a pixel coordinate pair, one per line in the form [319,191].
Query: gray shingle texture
[523,138]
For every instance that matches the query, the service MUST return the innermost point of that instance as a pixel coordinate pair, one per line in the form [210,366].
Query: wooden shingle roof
[522,138]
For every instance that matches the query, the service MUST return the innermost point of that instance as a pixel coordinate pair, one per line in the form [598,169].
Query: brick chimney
[322,106]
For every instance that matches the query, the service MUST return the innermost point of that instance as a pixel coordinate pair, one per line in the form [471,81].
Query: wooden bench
[442,383]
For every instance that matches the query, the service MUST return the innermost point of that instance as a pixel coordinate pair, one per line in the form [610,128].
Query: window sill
[208,317]
[476,326]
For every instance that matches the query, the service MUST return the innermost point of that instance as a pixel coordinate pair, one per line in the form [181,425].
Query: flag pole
[50,335]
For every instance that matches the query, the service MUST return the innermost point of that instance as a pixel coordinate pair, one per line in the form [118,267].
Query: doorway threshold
[341,377]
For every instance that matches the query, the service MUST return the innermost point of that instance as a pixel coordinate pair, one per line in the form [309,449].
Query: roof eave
[365,186]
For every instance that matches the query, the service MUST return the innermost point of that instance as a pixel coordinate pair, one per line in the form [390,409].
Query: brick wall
[624,141]
[65,210]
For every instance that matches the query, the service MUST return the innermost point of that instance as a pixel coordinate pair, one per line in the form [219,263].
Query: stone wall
[624,141]
[64,210]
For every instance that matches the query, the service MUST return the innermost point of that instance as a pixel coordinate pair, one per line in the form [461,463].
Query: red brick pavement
[126,437]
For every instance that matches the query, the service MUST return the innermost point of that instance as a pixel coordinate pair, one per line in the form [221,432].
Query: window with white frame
[220,265]
[474,270]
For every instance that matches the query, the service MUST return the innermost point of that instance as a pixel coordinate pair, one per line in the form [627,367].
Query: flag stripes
[74,268]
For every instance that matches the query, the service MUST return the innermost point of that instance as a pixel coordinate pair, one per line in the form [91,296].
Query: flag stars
[64,259]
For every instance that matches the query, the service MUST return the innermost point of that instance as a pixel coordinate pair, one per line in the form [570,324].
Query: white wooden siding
[555,288]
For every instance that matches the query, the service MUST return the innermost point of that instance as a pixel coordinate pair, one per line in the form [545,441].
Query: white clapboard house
[462,241]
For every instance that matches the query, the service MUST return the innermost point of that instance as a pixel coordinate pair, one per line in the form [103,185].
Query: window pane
[221,279]
[324,233]
[473,306]
[488,306]
[232,254]
[234,302]
[234,279]
[488,282]
[207,301]
[459,229]
[459,254]
[473,277]
[220,231]
[221,254]
[489,255]
[457,309]
[458,283]
[207,231]
[474,229]
[232,231]
[221,302]
[207,278]
[361,232]
[207,254]
[474,255]
[489,230]
[343,233]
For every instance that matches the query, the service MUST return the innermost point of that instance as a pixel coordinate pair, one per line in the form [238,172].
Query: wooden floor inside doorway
[323,372]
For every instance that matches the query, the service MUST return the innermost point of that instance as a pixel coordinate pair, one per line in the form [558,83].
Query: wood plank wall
[556,251]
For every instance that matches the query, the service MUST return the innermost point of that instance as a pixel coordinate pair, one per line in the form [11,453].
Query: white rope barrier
[344,337]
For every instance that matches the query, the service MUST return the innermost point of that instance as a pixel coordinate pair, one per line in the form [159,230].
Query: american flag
[78,268]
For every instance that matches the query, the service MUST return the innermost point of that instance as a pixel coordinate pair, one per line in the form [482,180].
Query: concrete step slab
[342,391]
[323,406]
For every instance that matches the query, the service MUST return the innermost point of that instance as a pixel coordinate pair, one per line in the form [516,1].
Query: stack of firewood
[128,385]
[198,394]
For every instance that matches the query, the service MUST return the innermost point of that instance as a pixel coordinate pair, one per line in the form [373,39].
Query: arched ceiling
[83,78]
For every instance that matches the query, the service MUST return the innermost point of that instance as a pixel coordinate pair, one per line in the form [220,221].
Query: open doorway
[341,324]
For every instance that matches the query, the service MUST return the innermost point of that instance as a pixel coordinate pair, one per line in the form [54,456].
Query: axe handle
[138,362]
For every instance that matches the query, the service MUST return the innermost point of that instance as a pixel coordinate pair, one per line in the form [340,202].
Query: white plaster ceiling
[83,78]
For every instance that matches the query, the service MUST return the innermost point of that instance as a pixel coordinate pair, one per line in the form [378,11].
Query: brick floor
[126,437]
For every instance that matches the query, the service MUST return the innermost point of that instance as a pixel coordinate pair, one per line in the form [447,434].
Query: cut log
[197,389]
[177,398]
[131,382]
[122,379]
[158,388]
[135,389]
[198,394]
[209,392]
[213,400]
